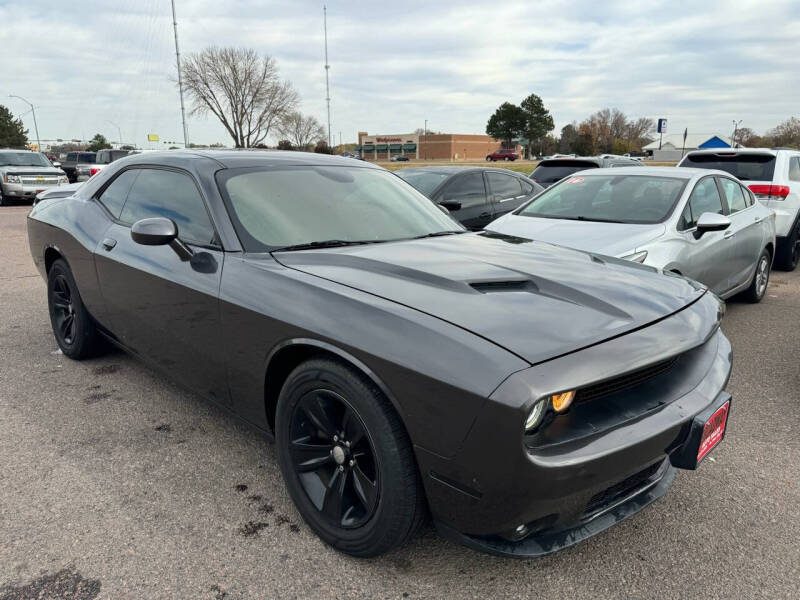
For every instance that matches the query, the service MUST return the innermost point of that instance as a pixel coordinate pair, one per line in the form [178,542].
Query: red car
[502,154]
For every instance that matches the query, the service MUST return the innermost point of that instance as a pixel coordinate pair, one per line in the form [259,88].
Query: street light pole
[35,126]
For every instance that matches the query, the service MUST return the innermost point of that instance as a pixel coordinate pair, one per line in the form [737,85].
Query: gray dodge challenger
[523,395]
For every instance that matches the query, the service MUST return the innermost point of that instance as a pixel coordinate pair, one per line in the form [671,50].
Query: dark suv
[70,165]
[553,170]
[502,154]
[474,196]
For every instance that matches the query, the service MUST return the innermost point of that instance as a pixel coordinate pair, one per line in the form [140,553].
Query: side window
[686,221]
[733,195]
[72,156]
[504,186]
[114,196]
[160,193]
[527,188]
[794,168]
[467,189]
[705,198]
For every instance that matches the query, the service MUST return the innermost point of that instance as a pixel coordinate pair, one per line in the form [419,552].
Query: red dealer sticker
[713,430]
[575,180]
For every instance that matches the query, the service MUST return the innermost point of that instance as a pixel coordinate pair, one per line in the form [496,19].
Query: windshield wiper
[323,244]
[593,219]
[437,234]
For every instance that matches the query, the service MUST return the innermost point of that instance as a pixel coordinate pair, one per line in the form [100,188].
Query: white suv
[773,175]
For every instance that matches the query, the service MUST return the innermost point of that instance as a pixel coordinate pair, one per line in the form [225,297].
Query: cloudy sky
[86,64]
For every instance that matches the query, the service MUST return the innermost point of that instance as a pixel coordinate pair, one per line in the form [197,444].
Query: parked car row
[524,394]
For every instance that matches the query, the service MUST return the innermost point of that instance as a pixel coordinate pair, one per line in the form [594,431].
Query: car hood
[613,239]
[16,170]
[534,299]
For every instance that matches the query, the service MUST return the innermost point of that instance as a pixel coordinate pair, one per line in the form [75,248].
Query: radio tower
[327,68]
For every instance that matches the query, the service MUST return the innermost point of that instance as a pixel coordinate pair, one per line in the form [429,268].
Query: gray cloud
[395,64]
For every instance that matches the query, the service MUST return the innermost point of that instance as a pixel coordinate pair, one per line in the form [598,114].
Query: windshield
[294,205]
[553,171]
[612,198]
[424,180]
[745,167]
[87,157]
[23,159]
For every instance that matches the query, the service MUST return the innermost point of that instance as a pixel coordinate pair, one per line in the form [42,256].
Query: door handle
[728,235]
[483,215]
[109,243]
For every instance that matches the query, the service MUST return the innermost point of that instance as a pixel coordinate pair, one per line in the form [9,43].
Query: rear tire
[347,460]
[488,159]
[788,257]
[73,327]
[758,286]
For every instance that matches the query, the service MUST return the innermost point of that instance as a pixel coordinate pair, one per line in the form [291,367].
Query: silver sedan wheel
[762,275]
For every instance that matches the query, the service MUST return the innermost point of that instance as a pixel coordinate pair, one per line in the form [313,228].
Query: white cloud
[395,65]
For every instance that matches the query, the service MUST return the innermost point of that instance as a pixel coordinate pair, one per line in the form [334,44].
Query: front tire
[488,159]
[347,459]
[758,286]
[73,327]
[3,201]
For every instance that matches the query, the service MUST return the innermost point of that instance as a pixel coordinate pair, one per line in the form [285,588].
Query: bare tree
[241,88]
[302,131]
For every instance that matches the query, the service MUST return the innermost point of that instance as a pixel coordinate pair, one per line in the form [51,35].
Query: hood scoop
[490,287]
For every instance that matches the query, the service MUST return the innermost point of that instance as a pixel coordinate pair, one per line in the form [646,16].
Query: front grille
[618,491]
[39,181]
[623,382]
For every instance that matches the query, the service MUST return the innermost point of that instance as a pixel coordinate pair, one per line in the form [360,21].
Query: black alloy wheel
[334,459]
[346,458]
[74,329]
[63,310]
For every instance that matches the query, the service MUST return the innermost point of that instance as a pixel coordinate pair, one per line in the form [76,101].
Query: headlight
[13,179]
[535,416]
[637,257]
[62,179]
[558,402]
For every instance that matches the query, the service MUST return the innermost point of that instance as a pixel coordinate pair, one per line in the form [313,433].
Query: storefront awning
[368,148]
[410,147]
[395,146]
[380,147]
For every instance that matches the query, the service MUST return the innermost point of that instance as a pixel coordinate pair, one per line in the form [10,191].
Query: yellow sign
[152,137]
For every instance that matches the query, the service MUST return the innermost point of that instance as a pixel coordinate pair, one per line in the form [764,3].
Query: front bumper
[579,480]
[25,191]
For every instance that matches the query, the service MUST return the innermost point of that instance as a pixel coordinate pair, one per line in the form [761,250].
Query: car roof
[452,169]
[729,151]
[673,172]
[19,150]
[247,158]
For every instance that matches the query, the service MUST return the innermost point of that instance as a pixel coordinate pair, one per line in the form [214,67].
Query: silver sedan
[699,223]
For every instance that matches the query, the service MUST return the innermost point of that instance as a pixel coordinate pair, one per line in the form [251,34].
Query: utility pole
[735,129]
[425,134]
[327,68]
[35,126]
[180,77]
[119,131]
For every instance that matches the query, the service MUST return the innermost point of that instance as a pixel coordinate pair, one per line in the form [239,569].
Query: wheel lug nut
[352,462]
[341,467]
[347,444]
[336,438]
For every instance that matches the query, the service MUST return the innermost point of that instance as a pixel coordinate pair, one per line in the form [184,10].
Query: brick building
[440,146]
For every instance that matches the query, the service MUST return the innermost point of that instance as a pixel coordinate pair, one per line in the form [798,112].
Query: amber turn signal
[562,401]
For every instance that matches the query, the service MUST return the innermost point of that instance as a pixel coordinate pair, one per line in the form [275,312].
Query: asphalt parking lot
[115,483]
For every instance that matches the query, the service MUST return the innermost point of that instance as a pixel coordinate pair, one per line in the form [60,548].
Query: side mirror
[711,222]
[443,209]
[160,231]
[450,204]
[56,164]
